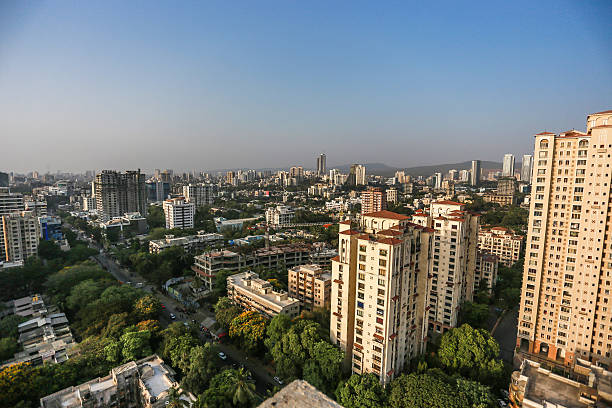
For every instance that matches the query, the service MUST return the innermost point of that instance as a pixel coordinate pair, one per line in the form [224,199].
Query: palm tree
[242,389]
[175,400]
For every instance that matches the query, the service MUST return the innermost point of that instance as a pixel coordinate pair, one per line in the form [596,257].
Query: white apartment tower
[566,298]
[380,289]
[455,248]
[508,165]
[199,194]
[527,168]
[179,213]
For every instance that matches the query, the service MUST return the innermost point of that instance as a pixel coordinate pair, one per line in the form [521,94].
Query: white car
[278,380]
[172,316]
[222,356]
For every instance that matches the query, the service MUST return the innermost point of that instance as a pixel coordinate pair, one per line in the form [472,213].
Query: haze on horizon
[194,86]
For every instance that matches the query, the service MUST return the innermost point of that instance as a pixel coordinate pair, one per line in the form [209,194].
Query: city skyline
[171,86]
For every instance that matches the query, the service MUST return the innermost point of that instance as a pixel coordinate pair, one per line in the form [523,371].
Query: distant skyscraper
[475,176]
[438,181]
[357,175]
[508,169]
[321,165]
[526,168]
[119,193]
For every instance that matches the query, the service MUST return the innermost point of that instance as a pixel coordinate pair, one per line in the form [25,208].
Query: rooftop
[387,214]
[299,394]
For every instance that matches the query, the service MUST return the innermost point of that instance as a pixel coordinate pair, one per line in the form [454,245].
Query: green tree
[8,347]
[278,326]
[361,391]
[155,217]
[472,353]
[226,311]
[135,345]
[8,325]
[424,391]
[177,398]
[86,292]
[477,394]
[243,390]
[324,369]
[474,314]
[201,368]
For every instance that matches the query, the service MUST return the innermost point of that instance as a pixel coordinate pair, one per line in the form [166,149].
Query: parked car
[172,316]
[222,356]
[278,380]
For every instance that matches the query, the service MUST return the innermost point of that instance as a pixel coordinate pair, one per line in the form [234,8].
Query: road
[263,379]
[505,334]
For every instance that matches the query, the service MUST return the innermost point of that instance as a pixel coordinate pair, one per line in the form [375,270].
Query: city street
[235,357]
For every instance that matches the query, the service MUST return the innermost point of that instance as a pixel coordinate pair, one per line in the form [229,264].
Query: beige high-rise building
[20,234]
[486,270]
[502,243]
[455,249]
[380,290]
[311,285]
[373,199]
[566,300]
[9,203]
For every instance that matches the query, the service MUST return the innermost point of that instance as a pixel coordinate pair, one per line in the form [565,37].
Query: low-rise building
[250,292]
[129,221]
[190,243]
[504,200]
[535,386]
[311,285]
[502,243]
[486,270]
[222,223]
[51,228]
[144,384]
[209,263]
[179,213]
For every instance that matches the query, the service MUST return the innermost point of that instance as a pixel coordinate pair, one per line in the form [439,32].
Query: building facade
[455,247]
[279,216]
[565,310]
[51,228]
[199,194]
[475,173]
[119,193]
[502,243]
[311,285]
[526,168]
[250,292]
[20,234]
[380,289]
[179,213]
[373,199]
[321,165]
[508,165]
[486,271]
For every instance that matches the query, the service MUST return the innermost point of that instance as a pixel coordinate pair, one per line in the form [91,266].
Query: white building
[279,216]
[508,165]
[179,213]
[252,293]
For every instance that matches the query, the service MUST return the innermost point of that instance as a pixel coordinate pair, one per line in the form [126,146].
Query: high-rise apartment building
[311,285]
[279,216]
[437,181]
[199,194]
[400,177]
[357,175]
[502,243]
[486,271]
[391,195]
[4,179]
[455,247]
[508,165]
[321,165]
[179,213]
[475,173]
[380,290]
[20,234]
[119,193]
[566,299]
[373,199]
[527,168]
[9,203]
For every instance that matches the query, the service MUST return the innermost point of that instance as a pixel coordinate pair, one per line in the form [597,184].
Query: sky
[89,85]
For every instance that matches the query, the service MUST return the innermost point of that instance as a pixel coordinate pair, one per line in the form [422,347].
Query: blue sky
[206,85]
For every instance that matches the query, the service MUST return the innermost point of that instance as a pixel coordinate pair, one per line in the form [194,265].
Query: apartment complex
[250,292]
[455,237]
[209,263]
[20,235]
[526,168]
[51,228]
[475,173]
[179,213]
[504,200]
[190,243]
[565,310]
[119,193]
[357,175]
[311,285]
[380,289]
[502,243]
[279,216]
[138,384]
[321,165]
[508,165]
[486,270]
[372,200]
[199,194]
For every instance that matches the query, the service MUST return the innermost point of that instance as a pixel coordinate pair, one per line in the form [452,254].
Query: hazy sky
[207,85]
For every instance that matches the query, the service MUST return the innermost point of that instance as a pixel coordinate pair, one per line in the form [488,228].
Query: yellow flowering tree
[249,328]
